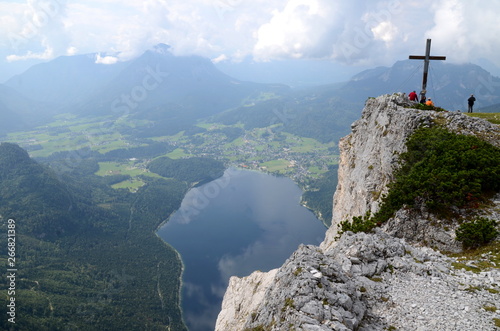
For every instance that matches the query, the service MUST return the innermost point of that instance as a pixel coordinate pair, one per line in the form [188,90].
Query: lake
[232,226]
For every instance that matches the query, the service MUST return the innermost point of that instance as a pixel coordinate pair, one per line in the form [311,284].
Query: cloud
[362,32]
[220,58]
[465,30]
[47,54]
[348,32]
[105,59]
[38,32]
[72,50]
[385,31]
[301,29]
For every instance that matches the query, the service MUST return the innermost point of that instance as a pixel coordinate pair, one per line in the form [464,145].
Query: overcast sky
[354,33]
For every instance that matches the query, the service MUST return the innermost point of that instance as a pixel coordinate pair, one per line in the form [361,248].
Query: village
[264,149]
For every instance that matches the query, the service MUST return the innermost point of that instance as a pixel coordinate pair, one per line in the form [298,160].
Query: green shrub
[426,107]
[440,170]
[477,233]
[358,224]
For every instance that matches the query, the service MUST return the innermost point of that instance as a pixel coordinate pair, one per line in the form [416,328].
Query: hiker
[429,102]
[413,96]
[471,103]
[422,99]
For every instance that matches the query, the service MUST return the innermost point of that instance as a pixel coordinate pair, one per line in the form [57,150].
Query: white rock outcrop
[374,281]
[242,297]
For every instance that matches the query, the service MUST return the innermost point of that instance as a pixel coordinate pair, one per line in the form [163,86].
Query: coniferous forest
[87,255]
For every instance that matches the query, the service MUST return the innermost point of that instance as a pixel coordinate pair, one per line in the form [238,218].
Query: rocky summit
[393,279]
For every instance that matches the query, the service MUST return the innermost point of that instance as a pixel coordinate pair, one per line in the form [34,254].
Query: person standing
[413,96]
[471,103]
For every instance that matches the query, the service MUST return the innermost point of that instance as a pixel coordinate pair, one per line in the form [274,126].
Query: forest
[88,256]
[195,169]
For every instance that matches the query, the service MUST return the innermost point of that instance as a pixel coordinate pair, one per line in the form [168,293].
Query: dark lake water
[239,223]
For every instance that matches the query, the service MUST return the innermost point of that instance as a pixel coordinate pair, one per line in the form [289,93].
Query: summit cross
[427,57]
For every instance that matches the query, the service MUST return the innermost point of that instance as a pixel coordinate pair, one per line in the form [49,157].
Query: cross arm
[422,57]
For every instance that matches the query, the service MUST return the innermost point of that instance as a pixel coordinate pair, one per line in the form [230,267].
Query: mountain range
[449,85]
[161,87]
[191,85]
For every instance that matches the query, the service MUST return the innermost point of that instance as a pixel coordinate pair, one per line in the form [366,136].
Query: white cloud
[105,59]
[467,29]
[300,30]
[385,31]
[352,32]
[71,51]
[220,58]
[47,54]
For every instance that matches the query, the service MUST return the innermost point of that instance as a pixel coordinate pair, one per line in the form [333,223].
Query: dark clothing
[471,104]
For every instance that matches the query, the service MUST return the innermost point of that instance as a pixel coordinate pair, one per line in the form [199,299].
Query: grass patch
[118,168]
[125,168]
[490,117]
[316,171]
[492,309]
[458,265]
[276,165]
[68,133]
[485,257]
[177,153]
[178,137]
[132,184]
[289,303]
[473,289]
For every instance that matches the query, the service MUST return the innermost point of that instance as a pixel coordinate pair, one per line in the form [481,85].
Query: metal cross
[427,57]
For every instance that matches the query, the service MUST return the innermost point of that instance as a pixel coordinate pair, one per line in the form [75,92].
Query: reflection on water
[241,222]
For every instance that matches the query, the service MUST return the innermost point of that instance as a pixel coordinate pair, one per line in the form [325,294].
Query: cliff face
[242,298]
[368,158]
[372,281]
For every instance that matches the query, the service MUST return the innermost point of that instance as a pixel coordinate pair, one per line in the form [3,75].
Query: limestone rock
[242,298]
[368,282]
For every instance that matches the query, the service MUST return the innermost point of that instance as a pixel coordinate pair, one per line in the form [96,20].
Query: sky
[341,35]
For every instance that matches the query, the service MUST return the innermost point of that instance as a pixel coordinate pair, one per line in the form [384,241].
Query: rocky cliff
[369,156]
[384,280]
